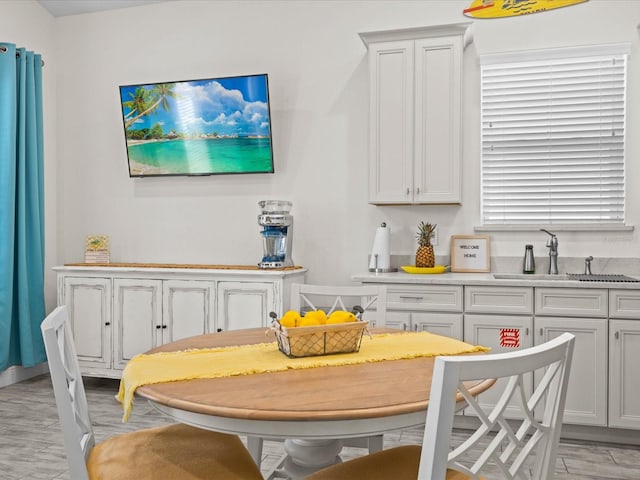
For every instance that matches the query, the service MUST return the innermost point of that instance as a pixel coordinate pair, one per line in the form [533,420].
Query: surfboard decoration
[512,8]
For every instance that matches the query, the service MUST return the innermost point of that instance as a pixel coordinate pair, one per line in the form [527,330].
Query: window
[553,136]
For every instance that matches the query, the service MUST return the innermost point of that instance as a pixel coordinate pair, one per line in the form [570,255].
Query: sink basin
[529,276]
[579,277]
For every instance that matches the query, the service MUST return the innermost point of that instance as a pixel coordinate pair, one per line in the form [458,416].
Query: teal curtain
[21,208]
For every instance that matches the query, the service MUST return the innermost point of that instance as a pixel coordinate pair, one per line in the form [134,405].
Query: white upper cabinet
[415,134]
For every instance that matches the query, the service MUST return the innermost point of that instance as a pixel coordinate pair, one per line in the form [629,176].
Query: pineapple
[425,257]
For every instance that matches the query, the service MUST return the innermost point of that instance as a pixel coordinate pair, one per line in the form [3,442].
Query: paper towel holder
[375,267]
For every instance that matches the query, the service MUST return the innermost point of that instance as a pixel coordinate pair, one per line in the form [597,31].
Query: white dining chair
[508,448]
[371,298]
[174,452]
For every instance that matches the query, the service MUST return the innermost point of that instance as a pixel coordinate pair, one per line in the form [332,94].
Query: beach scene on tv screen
[198,127]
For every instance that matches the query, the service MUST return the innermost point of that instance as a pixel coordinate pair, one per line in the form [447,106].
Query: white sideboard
[118,311]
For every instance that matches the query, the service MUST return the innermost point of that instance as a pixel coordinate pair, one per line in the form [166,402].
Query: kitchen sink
[601,277]
[529,276]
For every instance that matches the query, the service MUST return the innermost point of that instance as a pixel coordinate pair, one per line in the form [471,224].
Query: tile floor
[31,442]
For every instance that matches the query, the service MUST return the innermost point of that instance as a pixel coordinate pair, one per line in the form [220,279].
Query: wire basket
[319,339]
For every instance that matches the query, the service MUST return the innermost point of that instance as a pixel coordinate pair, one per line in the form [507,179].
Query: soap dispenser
[529,263]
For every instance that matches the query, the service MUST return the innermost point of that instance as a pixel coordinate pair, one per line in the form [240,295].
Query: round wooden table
[312,409]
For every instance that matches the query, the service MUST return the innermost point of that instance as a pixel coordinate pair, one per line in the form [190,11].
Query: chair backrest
[68,389]
[372,299]
[504,445]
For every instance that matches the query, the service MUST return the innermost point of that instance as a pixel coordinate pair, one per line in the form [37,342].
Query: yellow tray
[436,269]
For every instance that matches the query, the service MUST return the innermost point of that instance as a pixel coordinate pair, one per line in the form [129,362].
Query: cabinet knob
[617,335]
[408,191]
[164,326]
[107,323]
[219,330]
[158,327]
[418,191]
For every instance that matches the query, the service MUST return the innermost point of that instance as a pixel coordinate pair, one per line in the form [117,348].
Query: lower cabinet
[89,304]
[118,313]
[138,322]
[436,309]
[501,333]
[245,305]
[586,402]
[624,360]
[446,324]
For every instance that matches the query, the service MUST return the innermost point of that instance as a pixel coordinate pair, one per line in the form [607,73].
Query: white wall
[319,99]
[28,25]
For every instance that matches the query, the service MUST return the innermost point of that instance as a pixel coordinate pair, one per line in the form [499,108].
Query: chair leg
[373,443]
[254,445]
[376,443]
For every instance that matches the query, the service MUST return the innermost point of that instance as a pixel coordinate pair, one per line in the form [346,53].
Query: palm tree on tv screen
[146,101]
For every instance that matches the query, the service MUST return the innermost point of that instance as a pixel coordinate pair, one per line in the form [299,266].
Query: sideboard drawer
[511,300]
[624,303]
[572,302]
[432,298]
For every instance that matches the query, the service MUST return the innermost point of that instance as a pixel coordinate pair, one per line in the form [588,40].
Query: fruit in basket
[290,319]
[313,317]
[340,316]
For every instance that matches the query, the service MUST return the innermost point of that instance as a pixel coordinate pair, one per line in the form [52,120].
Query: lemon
[290,319]
[314,317]
[340,316]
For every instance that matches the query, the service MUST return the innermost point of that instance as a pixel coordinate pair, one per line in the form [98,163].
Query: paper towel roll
[381,247]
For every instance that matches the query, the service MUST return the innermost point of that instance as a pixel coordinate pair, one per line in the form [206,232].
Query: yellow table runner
[265,357]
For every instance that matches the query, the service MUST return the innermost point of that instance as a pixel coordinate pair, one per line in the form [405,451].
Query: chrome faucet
[552,243]
[587,265]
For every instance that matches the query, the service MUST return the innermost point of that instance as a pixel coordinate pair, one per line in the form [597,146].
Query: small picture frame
[470,253]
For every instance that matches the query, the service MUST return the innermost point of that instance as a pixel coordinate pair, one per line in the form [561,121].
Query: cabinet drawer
[432,298]
[572,302]
[624,303]
[518,300]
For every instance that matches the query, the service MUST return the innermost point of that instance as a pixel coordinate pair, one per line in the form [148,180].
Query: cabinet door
[624,388]
[437,131]
[391,122]
[399,320]
[587,394]
[502,333]
[137,317]
[446,324]
[188,308]
[89,303]
[244,305]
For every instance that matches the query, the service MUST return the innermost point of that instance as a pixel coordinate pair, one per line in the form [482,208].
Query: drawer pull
[411,297]
[617,335]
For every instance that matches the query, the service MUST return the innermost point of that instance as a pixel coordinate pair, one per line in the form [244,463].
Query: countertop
[449,278]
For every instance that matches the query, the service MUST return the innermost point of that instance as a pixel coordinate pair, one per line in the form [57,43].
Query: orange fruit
[290,319]
[340,316]
[313,317]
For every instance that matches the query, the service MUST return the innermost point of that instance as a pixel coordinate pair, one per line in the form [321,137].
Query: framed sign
[470,253]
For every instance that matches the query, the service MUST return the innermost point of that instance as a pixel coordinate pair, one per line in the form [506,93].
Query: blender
[277,233]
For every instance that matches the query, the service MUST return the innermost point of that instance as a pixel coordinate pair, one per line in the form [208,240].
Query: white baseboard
[17,373]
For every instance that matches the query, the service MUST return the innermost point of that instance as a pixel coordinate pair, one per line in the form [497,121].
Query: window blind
[553,138]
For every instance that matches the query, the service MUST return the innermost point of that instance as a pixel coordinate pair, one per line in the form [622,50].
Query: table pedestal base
[307,456]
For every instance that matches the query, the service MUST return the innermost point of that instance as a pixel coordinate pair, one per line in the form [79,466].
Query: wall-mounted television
[198,127]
